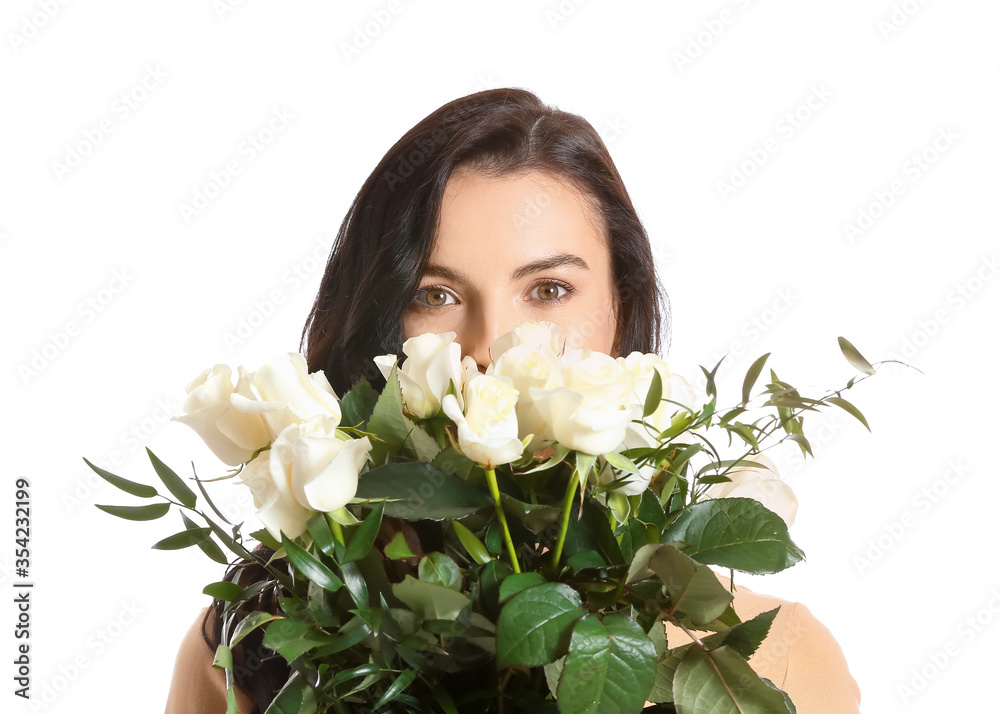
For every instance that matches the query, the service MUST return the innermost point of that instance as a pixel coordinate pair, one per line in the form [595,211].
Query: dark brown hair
[385,240]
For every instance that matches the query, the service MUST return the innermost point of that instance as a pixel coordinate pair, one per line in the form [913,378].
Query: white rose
[762,484]
[285,393]
[276,508]
[313,467]
[432,362]
[487,430]
[590,412]
[540,333]
[529,365]
[232,434]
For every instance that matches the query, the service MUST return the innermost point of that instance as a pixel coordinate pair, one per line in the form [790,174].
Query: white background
[899,548]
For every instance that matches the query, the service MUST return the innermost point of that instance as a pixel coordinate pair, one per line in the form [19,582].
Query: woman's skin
[481,278]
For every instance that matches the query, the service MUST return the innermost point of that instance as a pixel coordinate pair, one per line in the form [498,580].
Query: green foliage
[408,599]
[737,533]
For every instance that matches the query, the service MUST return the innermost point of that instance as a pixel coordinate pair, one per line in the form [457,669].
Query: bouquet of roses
[507,541]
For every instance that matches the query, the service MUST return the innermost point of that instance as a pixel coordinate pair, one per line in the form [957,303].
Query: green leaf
[365,670]
[430,601]
[398,548]
[418,490]
[310,566]
[536,516]
[710,377]
[491,578]
[223,657]
[172,481]
[390,423]
[513,584]
[183,539]
[296,697]
[292,638]
[654,394]
[722,676]
[850,409]
[319,529]
[556,458]
[136,489]
[363,538]
[693,588]
[473,545]
[356,406]
[250,623]
[454,461]
[633,536]
[223,590]
[356,585]
[265,537]
[745,637]
[622,463]
[439,569]
[752,375]
[553,671]
[803,443]
[738,533]
[535,625]
[404,680]
[387,415]
[585,559]
[609,668]
[591,532]
[137,513]
[208,546]
[854,357]
[201,487]
[650,510]
[666,666]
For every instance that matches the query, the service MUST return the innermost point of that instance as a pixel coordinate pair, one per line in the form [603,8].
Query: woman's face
[526,247]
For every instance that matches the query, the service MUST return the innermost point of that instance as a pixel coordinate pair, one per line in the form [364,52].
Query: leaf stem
[564,521]
[491,478]
[338,531]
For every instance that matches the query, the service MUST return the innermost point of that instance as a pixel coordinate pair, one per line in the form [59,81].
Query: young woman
[493,210]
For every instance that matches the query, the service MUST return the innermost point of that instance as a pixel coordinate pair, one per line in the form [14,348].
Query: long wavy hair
[385,241]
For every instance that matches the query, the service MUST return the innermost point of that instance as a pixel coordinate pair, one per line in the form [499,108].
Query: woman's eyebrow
[552,261]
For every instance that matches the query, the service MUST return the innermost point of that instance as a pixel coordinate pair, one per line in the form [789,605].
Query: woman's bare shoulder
[196,687]
[800,654]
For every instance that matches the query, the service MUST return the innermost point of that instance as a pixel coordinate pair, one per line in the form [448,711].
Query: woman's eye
[433,297]
[550,291]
